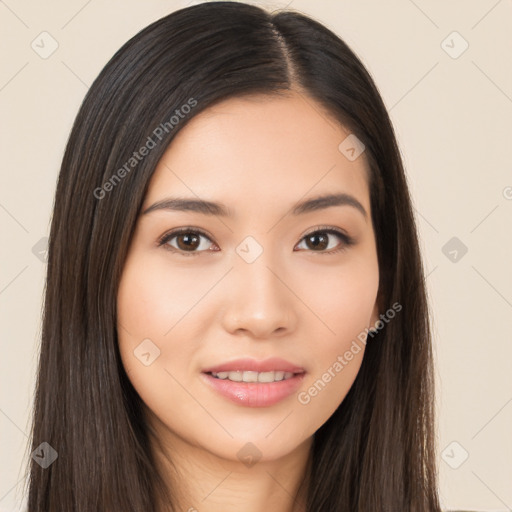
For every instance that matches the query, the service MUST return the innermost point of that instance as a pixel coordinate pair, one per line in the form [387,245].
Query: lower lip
[255,394]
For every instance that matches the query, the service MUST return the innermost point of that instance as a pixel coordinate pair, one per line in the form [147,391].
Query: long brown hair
[377,451]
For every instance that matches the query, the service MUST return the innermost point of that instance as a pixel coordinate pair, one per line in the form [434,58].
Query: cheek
[343,302]
[152,319]
[153,297]
[150,306]
[343,305]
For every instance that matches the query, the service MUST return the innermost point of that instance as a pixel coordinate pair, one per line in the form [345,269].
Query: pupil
[187,239]
[322,245]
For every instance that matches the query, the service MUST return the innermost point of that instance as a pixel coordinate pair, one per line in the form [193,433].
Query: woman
[235,314]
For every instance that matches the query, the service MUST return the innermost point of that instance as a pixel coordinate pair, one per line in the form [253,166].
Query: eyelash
[347,241]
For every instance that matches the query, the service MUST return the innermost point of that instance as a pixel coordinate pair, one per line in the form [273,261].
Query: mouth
[254,389]
[252,376]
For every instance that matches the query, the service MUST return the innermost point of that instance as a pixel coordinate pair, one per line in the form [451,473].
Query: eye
[188,241]
[319,239]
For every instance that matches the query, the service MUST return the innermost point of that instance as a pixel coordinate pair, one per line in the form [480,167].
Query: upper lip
[266,365]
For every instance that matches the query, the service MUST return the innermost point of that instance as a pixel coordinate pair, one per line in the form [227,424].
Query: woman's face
[248,280]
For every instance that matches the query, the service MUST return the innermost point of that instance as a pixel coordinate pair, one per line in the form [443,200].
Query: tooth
[266,377]
[250,376]
[236,376]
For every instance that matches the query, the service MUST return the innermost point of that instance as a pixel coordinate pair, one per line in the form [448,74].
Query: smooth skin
[203,304]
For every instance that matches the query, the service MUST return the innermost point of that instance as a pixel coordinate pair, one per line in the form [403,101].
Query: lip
[266,365]
[254,394]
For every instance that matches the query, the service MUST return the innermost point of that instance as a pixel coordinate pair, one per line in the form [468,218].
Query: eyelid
[347,240]
[326,227]
[186,229]
[169,235]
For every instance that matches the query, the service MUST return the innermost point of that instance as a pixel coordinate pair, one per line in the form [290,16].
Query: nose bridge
[259,301]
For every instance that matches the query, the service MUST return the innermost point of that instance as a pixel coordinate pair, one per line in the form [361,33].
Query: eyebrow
[219,209]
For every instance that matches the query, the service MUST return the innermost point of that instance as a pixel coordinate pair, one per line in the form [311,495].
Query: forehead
[269,149]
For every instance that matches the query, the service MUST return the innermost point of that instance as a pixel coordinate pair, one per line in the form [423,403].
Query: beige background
[453,120]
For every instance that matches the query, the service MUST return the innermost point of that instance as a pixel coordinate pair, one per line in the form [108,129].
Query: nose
[260,302]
